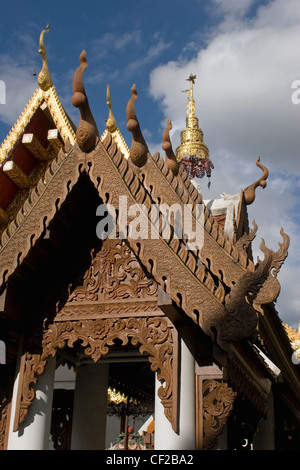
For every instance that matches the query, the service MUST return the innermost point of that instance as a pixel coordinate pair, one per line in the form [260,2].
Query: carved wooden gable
[115,284]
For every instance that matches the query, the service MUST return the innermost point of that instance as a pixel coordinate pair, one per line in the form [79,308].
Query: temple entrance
[130,408]
[111,402]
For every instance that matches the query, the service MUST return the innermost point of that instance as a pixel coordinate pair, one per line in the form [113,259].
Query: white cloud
[244,79]
[243,100]
[18,70]
[108,42]
[233,7]
[19,86]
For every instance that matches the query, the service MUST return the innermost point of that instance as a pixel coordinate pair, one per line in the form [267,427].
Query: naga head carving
[271,288]
[241,317]
[87,132]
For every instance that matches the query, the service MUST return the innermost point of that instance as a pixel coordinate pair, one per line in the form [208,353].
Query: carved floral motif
[218,401]
[114,273]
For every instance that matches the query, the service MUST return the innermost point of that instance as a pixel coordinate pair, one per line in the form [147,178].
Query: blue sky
[246,56]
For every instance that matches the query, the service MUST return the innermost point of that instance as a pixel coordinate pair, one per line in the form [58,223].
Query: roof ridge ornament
[193,154]
[139,150]
[111,123]
[44,78]
[171,160]
[87,133]
[249,192]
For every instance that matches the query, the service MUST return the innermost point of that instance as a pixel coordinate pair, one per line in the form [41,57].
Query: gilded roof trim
[118,140]
[24,118]
[57,113]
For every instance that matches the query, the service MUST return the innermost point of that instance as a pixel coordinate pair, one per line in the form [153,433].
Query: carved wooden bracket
[155,336]
[218,401]
[5,403]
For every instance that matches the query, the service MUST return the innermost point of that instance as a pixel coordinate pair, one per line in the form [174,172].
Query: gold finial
[44,78]
[192,152]
[111,124]
[191,102]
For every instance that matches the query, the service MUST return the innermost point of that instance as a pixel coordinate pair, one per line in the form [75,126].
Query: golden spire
[44,78]
[192,152]
[111,124]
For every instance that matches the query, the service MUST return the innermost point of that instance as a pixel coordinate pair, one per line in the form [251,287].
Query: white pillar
[165,437]
[90,407]
[34,433]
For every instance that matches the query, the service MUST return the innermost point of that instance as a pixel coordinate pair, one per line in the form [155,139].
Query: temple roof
[218,287]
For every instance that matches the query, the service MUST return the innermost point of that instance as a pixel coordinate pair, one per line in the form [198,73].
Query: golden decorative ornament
[192,151]
[44,78]
[294,337]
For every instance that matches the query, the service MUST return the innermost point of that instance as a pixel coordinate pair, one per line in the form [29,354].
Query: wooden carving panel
[218,401]
[154,336]
[114,274]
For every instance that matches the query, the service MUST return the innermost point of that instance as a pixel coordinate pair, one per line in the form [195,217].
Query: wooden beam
[35,147]
[2,300]
[54,140]
[44,107]
[17,175]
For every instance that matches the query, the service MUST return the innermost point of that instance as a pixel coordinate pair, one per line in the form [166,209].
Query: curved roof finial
[44,78]
[249,192]
[139,150]
[171,160]
[87,132]
[111,123]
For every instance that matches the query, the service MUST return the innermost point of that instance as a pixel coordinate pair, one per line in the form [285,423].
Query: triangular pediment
[190,281]
[114,285]
[33,142]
